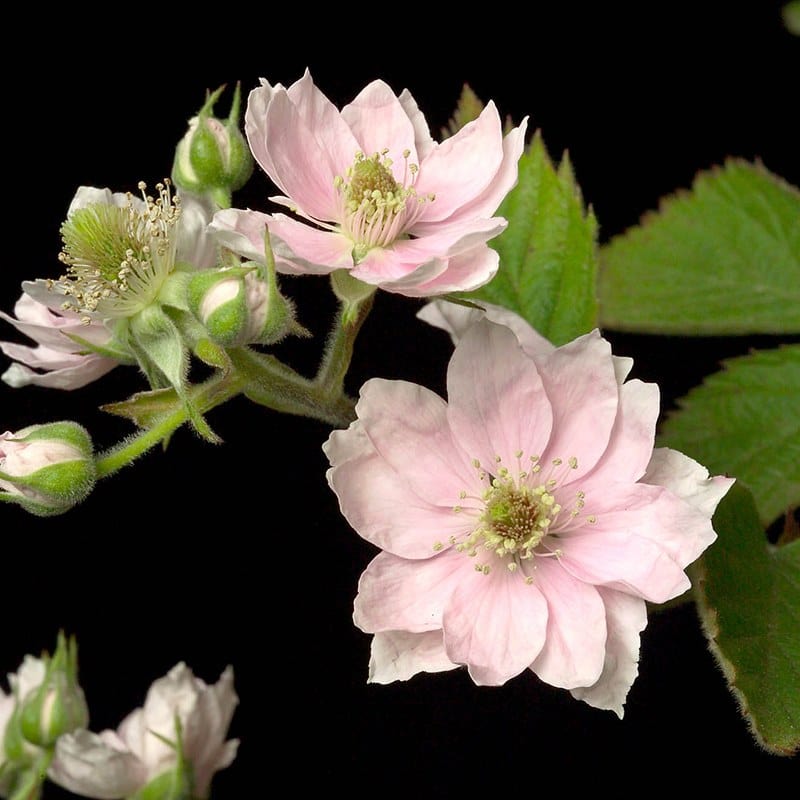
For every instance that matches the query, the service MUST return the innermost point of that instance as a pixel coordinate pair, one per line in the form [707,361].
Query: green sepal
[351,292]
[145,409]
[209,352]
[161,342]
[173,290]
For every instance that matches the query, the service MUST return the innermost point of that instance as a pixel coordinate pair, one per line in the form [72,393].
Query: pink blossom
[115,764]
[524,523]
[376,194]
[56,361]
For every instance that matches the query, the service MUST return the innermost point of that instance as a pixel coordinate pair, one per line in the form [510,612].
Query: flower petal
[378,503]
[97,766]
[498,404]
[465,272]
[423,141]
[400,594]
[626,618]
[462,167]
[630,445]
[317,252]
[575,647]
[495,624]
[399,655]
[379,122]
[92,368]
[302,168]
[686,479]
[456,319]
[580,381]
[326,123]
[407,425]
[255,123]
[487,202]
[41,357]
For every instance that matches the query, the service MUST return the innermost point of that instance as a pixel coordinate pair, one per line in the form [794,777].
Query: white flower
[115,764]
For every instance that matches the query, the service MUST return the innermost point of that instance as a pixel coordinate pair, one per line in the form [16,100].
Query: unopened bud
[46,469]
[213,157]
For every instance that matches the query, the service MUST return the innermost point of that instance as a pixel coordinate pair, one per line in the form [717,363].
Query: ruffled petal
[495,624]
[91,368]
[464,272]
[399,655]
[423,141]
[457,319]
[686,479]
[498,404]
[580,382]
[326,123]
[504,180]
[626,618]
[379,122]
[318,251]
[400,594]
[97,766]
[575,647]
[255,123]
[379,504]
[302,168]
[462,167]
[407,425]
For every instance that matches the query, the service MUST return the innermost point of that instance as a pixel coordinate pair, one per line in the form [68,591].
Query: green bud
[243,305]
[58,705]
[47,469]
[213,157]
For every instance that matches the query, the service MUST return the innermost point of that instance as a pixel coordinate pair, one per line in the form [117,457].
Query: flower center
[374,208]
[117,257]
[518,516]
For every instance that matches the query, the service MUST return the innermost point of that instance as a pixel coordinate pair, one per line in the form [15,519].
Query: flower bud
[46,469]
[57,706]
[213,157]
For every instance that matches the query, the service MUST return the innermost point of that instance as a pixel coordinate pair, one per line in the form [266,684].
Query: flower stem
[339,349]
[206,396]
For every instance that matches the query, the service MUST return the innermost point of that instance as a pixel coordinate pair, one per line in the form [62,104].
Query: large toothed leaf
[548,253]
[721,259]
[745,420]
[748,595]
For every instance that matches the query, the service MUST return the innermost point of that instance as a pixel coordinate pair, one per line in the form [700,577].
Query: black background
[237,554]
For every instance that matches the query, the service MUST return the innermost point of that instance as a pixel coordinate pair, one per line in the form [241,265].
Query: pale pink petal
[41,357]
[423,141]
[465,272]
[378,503]
[399,655]
[379,122]
[631,441]
[302,168]
[456,319]
[92,368]
[625,561]
[92,196]
[43,292]
[687,479]
[401,594]
[255,123]
[383,264]
[407,425]
[654,513]
[461,168]
[95,766]
[487,202]
[580,381]
[574,651]
[318,251]
[325,122]
[495,624]
[498,404]
[626,618]
[241,231]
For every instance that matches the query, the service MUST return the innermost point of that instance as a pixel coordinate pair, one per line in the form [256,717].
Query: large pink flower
[384,200]
[525,522]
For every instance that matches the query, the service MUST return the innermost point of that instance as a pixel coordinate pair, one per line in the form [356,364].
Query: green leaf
[145,409]
[748,596]
[548,254]
[722,259]
[745,420]
[791,17]
[469,108]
